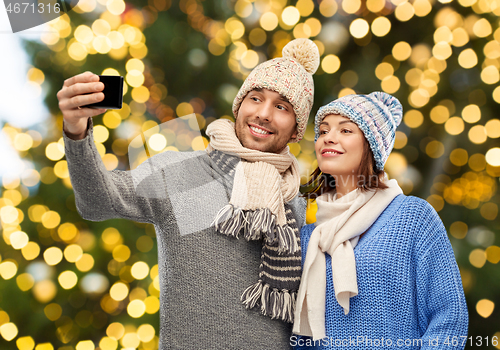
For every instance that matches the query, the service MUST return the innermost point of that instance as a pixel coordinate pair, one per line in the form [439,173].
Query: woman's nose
[331,137]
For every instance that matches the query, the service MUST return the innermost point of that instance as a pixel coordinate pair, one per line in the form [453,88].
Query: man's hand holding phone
[81,98]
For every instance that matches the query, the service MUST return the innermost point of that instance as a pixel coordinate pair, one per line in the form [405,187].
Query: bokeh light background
[71,284]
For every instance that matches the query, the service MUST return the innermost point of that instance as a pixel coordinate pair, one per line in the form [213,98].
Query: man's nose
[265,111]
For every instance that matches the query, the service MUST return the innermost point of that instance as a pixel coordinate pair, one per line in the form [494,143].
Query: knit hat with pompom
[377,115]
[290,76]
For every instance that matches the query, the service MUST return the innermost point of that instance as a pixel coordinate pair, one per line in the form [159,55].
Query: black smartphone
[113,92]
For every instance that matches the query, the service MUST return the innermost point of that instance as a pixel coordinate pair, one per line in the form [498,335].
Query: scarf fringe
[229,220]
[278,304]
[256,224]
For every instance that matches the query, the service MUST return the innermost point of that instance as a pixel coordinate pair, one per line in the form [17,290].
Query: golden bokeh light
[482,28]
[8,269]
[115,331]
[390,84]
[328,8]
[67,279]
[467,58]
[44,291]
[422,7]
[493,128]
[8,331]
[493,156]
[18,239]
[435,149]
[85,345]
[458,229]
[121,253]
[485,307]
[490,75]
[119,291]
[454,126]
[25,281]
[401,51]
[290,15]
[359,28]
[268,21]
[25,343]
[471,113]
[375,5]
[477,134]
[52,256]
[140,270]
[404,11]
[439,114]
[85,263]
[477,258]
[31,251]
[384,70]
[413,118]
[73,252]
[351,6]
[381,26]
[136,308]
[459,157]
[330,64]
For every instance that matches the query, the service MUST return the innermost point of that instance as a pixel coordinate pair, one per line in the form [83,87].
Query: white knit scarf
[339,223]
[263,183]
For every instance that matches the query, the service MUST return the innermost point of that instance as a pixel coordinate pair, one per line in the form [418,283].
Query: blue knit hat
[377,115]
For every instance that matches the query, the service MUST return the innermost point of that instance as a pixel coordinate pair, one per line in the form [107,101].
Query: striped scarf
[263,183]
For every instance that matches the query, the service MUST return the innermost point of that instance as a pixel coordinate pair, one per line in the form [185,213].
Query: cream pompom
[304,51]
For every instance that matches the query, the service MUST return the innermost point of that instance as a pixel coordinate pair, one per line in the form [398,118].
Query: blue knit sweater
[410,290]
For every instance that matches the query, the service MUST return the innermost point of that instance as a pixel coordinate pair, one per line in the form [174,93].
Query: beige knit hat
[290,76]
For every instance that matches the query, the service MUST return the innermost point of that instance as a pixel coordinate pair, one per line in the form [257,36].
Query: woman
[378,268]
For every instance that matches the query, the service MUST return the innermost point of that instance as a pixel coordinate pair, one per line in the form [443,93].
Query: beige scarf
[263,183]
[339,223]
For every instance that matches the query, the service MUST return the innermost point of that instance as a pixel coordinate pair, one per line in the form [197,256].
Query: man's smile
[259,131]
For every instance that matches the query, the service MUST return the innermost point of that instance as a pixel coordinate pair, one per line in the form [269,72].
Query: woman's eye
[346,131]
[322,132]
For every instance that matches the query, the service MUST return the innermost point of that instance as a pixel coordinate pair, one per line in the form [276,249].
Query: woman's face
[339,147]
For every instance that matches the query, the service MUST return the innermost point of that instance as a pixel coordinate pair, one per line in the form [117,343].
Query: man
[245,184]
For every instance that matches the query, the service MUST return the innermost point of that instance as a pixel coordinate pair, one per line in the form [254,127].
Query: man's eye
[283,108]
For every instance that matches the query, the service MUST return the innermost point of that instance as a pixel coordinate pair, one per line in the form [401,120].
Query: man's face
[265,121]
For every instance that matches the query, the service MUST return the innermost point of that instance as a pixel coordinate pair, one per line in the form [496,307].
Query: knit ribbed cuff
[79,147]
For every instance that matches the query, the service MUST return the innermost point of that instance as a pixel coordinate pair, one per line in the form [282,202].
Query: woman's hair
[369,177]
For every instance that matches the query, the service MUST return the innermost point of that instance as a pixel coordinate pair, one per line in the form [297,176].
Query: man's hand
[72,96]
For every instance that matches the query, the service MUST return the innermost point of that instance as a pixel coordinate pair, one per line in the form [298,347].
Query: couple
[369,239]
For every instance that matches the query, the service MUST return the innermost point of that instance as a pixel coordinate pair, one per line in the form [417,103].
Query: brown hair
[369,177]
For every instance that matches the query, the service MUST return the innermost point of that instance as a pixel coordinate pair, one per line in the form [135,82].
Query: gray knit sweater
[202,273]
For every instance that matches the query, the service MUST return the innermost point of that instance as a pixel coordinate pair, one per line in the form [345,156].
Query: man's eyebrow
[282,98]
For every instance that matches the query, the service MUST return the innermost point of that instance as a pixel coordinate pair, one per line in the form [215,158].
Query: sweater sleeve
[442,310]
[101,194]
